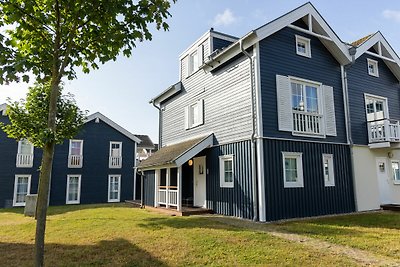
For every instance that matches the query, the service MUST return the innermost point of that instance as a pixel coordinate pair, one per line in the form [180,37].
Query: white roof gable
[384,52]
[111,123]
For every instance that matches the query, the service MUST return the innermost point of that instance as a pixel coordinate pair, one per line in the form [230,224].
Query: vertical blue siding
[360,82]
[220,43]
[149,185]
[278,56]
[237,201]
[314,198]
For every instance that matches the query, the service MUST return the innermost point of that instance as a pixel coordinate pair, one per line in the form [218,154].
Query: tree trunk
[42,202]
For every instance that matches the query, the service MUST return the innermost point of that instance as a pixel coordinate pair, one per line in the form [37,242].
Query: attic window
[303,47]
[193,62]
[373,67]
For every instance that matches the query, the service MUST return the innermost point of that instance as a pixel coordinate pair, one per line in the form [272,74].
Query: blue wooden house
[97,166]
[256,126]
[373,93]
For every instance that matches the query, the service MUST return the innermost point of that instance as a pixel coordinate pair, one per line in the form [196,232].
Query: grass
[117,235]
[377,232]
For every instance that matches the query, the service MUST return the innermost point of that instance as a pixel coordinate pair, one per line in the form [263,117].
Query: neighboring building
[374,97]
[97,166]
[257,126]
[145,148]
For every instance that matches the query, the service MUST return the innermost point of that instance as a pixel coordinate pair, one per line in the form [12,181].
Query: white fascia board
[224,36]
[194,45]
[3,108]
[378,37]
[190,153]
[234,49]
[113,125]
[170,91]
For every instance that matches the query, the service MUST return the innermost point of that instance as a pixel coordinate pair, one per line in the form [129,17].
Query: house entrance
[383,180]
[199,182]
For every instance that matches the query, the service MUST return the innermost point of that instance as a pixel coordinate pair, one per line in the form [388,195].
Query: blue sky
[121,90]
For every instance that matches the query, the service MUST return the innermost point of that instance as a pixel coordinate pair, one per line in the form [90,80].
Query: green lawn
[377,232]
[118,235]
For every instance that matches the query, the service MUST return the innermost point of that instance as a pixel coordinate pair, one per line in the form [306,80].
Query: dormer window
[373,67]
[193,62]
[303,47]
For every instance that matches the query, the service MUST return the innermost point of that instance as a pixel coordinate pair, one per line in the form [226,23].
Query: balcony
[115,162]
[307,123]
[383,132]
[24,160]
[75,161]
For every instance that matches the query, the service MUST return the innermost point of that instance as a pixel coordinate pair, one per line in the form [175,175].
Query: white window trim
[376,97]
[110,155]
[200,119]
[222,159]
[331,169]
[119,188]
[78,201]
[307,41]
[375,64]
[19,153]
[299,161]
[69,153]
[396,182]
[15,204]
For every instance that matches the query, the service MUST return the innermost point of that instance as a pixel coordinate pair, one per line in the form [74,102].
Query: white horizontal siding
[227,105]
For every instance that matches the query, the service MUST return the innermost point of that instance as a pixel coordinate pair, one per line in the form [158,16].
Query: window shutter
[201,111]
[329,110]
[185,66]
[200,52]
[284,103]
[186,117]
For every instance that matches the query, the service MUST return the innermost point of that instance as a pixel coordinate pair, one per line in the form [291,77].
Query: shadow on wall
[119,252]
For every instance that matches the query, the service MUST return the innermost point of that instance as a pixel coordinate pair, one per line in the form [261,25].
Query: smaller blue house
[97,166]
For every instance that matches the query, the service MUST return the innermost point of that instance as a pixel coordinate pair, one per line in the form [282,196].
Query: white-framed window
[396,171]
[194,114]
[25,154]
[372,67]
[376,108]
[22,187]
[73,189]
[193,62]
[115,159]
[303,46]
[114,187]
[329,173]
[75,156]
[226,171]
[292,169]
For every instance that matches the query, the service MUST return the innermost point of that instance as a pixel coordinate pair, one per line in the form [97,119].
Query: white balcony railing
[307,123]
[75,161]
[384,130]
[24,160]
[168,196]
[115,162]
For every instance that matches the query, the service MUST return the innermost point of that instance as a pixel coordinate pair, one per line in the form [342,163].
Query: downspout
[253,136]
[345,68]
[159,122]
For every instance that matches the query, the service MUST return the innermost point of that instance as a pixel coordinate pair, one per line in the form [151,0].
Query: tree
[50,39]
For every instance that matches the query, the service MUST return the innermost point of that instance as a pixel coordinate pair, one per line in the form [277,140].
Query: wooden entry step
[392,207]
[186,211]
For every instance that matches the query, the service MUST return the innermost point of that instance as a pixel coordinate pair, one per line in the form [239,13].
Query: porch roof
[177,154]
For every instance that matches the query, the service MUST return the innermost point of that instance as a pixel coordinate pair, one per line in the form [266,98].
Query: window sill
[195,126]
[396,182]
[308,135]
[293,185]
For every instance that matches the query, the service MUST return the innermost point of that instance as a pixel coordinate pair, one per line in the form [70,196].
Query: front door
[199,176]
[383,180]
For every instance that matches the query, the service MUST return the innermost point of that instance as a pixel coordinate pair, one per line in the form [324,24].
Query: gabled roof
[112,124]
[361,40]
[177,154]
[146,141]
[317,27]
[384,52]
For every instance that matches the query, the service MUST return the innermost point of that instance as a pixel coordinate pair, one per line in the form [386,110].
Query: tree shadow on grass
[55,210]
[119,252]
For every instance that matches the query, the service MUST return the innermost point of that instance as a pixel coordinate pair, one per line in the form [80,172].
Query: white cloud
[225,18]
[392,14]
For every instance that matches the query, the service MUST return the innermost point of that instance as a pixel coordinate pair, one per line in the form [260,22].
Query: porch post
[156,183]
[167,187]
[179,186]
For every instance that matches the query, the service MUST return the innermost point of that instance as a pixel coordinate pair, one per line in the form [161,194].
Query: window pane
[291,169]
[311,99]
[26,147]
[75,147]
[73,188]
[301,47]
[228,170]
[396,171]
[22,189]
[326,170]
[297,97]
[115,150]
[371,68]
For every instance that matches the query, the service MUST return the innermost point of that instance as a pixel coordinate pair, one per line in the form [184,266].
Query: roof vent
[97,120]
